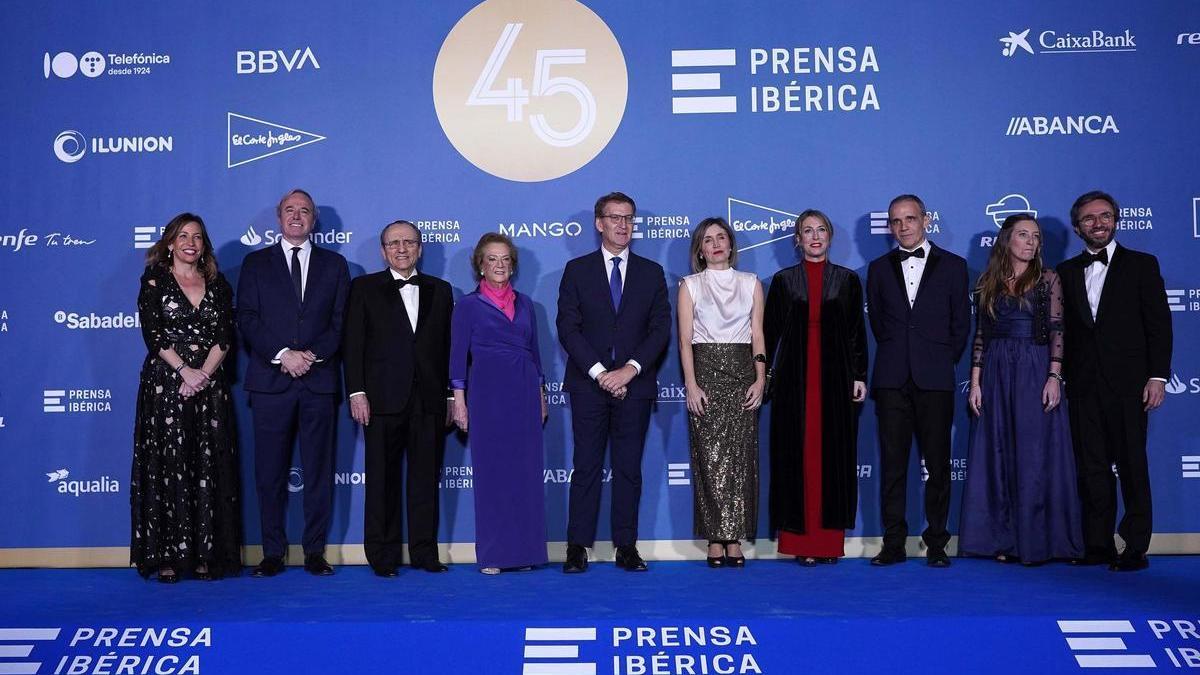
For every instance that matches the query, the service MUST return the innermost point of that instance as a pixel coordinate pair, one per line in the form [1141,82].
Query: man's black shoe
[889,556]
[384,571]
[629,560]
[577,561]
[1130,562]
[434,566]
[269,567]
[315,565]
[936,557]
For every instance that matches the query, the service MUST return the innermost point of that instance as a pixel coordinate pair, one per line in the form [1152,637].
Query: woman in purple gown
[1021,502]
[496,375]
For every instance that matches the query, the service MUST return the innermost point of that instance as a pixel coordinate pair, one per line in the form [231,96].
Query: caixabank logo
[530,90]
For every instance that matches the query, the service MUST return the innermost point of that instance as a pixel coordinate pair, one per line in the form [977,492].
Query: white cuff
[594,371]
[636,366]
[1159,379]
[279,357]
[357,393]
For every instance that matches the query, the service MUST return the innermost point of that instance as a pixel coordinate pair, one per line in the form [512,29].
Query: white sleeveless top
[721,301]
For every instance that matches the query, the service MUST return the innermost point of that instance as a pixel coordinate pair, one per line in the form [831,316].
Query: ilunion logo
[70,146]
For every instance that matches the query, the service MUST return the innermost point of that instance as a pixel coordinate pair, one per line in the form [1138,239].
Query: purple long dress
[497,362]
[1021,497]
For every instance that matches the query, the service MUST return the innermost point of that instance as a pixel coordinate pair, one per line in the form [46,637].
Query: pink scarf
[505,298]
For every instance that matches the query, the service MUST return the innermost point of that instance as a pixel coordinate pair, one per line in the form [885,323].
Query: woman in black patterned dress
[184,487]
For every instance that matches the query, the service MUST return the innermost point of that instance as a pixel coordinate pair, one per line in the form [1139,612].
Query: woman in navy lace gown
[1021,502]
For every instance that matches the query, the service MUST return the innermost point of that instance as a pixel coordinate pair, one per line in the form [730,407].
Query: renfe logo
[268,61]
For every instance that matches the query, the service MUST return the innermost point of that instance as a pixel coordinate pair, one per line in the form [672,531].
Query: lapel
[1116,268]
[283,270]
[424,301]
[894,262]
[599,267]
[630,276]
[935,256]
[828,289]
[1075,289]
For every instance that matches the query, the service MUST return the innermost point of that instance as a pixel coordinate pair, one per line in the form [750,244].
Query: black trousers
[928,415]
[1107,429]
[279,419]
[412,440]
[597,419]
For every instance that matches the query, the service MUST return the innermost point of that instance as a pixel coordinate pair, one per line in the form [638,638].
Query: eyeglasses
[401,243]
[618,218]
[1105,218]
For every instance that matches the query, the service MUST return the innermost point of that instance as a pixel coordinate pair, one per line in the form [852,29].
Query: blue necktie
[614,283]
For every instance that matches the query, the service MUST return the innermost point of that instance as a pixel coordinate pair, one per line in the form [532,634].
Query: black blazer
[1129,342]
[271,317]
[926,341]
[591,329]
[384,358]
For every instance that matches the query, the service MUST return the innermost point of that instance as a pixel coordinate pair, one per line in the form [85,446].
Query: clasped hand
[616,382]
[193,380]
[296,363]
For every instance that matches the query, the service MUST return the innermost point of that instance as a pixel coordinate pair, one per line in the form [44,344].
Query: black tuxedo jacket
[383,356]
[593,331]
[1129,341]
[926,340]
[271,317]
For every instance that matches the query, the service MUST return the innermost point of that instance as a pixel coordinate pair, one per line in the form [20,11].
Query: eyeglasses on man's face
[618,218]
[1105,218]
[394,244]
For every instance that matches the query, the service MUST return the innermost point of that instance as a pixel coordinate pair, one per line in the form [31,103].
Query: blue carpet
[774,616]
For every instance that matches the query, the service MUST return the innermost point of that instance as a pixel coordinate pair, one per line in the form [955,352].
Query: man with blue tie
[920,314]
[614,322]
[291,301]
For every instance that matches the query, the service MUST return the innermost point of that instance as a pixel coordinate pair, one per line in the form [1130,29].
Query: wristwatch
[760,358]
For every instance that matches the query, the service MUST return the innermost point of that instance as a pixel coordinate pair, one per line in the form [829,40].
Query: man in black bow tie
[920,313]
[397,356]
[1116,362]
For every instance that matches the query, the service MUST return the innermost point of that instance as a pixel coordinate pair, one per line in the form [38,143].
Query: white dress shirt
[595,371]
[1094,276]
[913,269]
[304,254]
[411,295]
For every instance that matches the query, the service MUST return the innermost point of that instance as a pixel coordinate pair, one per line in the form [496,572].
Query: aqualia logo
[77,488]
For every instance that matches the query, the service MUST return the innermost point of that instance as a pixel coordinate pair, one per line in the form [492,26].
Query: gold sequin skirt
[724,444]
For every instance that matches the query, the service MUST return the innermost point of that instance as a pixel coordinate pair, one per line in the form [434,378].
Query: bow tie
[1101,257]
[401,283]
[905,255]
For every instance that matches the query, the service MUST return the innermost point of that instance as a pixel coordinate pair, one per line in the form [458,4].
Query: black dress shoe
[629,559]
[577,561]
[1130,562]
[889,556]
[269,567]
[384,571]
[315,565]
[431,566]
[937,557]
[167,575]
[827,561]
[715,562]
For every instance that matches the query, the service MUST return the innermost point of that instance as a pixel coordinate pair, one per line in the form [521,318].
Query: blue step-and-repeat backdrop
[513,116]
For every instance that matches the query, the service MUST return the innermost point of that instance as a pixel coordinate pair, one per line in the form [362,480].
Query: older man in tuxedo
[291,300]
[614,321]
[397,356]
[1116,362]
[920,314]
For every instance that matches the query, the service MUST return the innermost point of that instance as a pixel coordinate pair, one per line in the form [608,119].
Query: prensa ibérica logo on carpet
[96,650]
[640,650]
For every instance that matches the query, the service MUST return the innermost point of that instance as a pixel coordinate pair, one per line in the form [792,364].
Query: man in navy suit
[614,321]
[291,300]
[920,313]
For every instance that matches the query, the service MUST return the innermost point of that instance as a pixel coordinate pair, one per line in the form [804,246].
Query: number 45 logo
[516,98]
[574,105]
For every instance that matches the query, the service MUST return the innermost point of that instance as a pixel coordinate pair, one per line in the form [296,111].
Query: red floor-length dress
[817,541]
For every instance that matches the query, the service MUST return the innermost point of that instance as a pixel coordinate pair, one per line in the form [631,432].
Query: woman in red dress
[817,345]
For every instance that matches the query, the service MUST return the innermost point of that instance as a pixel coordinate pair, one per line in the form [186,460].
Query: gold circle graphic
[530,90]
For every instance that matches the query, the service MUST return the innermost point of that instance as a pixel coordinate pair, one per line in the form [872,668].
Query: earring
[170,253]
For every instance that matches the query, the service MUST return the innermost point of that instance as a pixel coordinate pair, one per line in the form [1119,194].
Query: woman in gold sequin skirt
[721,348]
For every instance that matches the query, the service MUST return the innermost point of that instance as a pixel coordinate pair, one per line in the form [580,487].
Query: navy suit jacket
[593,331]
[271,317]
[927,340]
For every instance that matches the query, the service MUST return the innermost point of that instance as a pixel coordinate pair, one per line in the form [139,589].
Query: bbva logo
[265,61]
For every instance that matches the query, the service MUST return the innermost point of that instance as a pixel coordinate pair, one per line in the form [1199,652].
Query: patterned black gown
[184,487]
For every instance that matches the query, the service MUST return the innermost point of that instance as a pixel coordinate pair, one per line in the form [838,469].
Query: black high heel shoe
[739,561]
[716,561]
